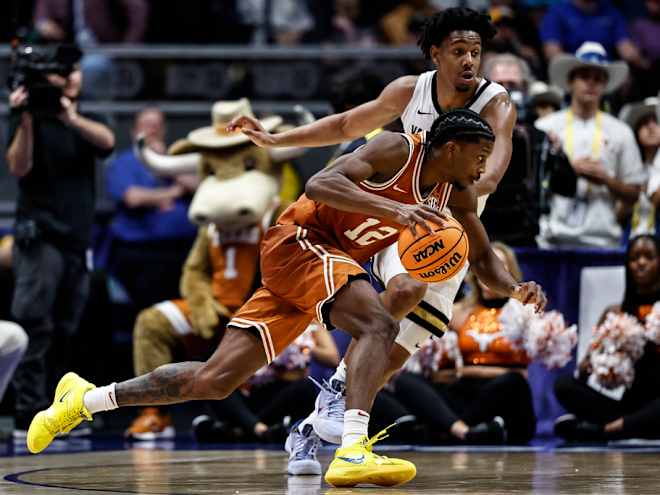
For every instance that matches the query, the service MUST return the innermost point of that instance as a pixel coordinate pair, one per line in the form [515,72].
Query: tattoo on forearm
[167,384]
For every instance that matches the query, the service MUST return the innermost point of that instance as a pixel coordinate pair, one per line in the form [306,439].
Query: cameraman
[53,154]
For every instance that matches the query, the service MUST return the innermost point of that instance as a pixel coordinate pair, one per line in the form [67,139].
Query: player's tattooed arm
[501,114]
[339,127]
[378,160]
[483,261]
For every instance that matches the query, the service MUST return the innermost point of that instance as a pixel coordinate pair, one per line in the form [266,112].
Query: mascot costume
[242,189]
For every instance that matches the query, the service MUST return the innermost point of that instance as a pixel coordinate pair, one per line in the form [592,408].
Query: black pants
[271,402]
[473,401]
[268,403]
[639,420]
[51,289]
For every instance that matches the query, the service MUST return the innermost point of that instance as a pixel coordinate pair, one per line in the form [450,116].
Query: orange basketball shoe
[151,424]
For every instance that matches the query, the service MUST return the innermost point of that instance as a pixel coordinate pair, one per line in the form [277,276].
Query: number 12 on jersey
[364,234]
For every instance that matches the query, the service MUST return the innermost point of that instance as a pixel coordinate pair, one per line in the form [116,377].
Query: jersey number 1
[363,238]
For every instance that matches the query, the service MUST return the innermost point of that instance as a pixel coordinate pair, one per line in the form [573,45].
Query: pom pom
[514,320]
[545,338]
[436,354]
[549,340]
[615,347]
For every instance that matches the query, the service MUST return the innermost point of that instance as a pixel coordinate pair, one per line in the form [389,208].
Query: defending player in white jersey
[453,39]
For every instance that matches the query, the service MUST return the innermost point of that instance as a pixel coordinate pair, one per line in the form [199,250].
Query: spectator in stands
[535,168]
[601,148]
[569,24]
[350,23]
[641,217]
[646,31]
[278,21]
[401,24]
[104,21]
[594,416]
[543,100]
[90,23]
[54,158]
[516,35]
[13,344]
[488,399]
[151,232]
[646,34]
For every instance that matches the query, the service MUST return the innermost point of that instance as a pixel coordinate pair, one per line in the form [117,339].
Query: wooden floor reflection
[244,472]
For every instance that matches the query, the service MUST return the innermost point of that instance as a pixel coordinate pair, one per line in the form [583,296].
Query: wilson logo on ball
[453,262]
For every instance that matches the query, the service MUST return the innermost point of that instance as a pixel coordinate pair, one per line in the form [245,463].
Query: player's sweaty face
[459,58]
[472,161]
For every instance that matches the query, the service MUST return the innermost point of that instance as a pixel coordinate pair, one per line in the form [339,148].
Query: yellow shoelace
[368,443]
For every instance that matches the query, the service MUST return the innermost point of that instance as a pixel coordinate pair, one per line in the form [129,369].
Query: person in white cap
[601,149]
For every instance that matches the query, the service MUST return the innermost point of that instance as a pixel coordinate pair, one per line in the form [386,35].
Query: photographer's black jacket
[58,193]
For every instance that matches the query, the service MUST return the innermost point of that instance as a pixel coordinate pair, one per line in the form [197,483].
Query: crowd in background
[562,199]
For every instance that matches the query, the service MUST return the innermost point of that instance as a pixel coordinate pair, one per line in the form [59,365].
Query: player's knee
[406,291]
[384,326]
[214,384]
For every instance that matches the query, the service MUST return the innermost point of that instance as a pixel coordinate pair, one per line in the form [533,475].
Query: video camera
[29,66]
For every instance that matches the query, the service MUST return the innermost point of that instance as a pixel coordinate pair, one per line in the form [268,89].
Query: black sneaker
[572,429]
[208,430]
[491,433]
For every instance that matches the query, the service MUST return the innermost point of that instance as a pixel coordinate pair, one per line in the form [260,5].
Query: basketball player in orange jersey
[310,269]
[453,39]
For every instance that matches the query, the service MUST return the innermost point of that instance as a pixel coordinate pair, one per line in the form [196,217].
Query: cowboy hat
[222,112]
[539,93]
[590,54]
[633,113]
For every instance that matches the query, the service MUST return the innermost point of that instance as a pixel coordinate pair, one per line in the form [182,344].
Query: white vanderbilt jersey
[434,311]
[423,108]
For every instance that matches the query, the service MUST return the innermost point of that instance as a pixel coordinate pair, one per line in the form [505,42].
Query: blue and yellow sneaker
[65,413]
[358,464]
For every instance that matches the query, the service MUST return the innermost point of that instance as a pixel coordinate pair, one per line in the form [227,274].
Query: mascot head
[240,181]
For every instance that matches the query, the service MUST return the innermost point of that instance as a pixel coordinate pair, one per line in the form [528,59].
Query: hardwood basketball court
[445,470]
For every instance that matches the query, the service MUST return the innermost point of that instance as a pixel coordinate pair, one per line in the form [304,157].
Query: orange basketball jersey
[358,235]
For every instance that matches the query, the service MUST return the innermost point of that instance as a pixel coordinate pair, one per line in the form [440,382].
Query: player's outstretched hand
[419,214]
[253,129]
[530,293]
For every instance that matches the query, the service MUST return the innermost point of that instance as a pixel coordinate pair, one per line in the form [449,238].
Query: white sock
[101,399]
[340,372]
[356,424]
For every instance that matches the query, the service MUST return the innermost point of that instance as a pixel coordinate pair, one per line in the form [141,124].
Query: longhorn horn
[166,165]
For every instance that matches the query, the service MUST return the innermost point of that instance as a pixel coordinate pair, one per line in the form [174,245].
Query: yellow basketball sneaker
[65,413]
[358,464]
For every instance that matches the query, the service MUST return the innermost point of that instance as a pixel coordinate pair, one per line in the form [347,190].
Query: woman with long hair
[599,415]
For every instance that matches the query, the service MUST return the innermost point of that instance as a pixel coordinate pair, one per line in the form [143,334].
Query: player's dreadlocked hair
[460,124]
[439,25]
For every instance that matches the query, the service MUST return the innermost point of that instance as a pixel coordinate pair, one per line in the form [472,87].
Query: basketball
[437,256]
